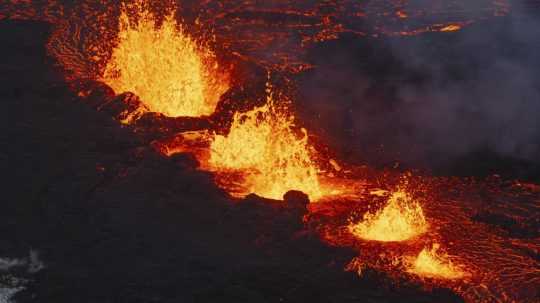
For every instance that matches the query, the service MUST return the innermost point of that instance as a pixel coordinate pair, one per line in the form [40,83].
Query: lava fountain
[170,71]
[273,157]
[401,219]
[489,231]
[430,263]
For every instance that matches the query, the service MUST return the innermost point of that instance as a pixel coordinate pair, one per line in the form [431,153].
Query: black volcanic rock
[296,199]
[296,202]
[96,94]
[116,222]
[185,160]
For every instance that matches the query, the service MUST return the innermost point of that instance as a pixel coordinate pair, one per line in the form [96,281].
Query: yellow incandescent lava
[401,219]
[451,28]
[272,156]
[433,264]
[172,73]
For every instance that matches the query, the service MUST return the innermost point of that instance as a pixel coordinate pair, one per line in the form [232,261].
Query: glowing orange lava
[171,72]
[451,28]
[431,263]
[274,158]
[487,230]
[401,219]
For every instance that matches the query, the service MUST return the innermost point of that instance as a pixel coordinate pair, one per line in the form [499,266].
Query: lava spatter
[401,219]
[273,157]
[170,71]
[433,263]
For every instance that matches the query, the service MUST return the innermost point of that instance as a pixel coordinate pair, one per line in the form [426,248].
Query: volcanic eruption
[263,143]
[401,218]
[431,263]
[172,73]
[230,163]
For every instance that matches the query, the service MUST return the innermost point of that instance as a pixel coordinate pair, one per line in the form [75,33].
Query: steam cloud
[430,99]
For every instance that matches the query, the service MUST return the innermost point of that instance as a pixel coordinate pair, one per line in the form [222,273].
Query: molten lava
[489,229]
[451,28]
[274,158]
[401,219]
[171,72]
[431,263]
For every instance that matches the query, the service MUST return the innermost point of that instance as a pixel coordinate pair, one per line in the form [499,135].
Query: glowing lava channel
[430,263]
[171,72]
[273,157]
[401,219]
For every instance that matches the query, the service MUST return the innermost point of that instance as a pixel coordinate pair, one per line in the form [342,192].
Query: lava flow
[265,152]
[170,71]
[480,259]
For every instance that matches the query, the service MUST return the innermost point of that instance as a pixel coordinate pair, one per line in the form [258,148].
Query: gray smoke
[435,97]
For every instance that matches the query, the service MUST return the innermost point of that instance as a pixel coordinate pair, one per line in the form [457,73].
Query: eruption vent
[273,157]
[171,72]
[431,264]
[401,219]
